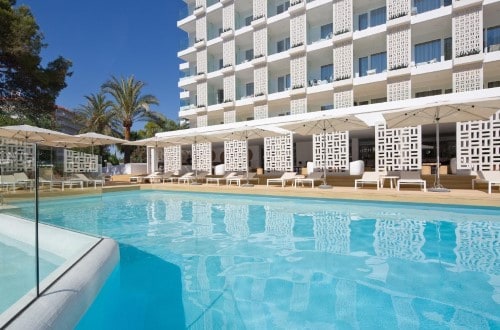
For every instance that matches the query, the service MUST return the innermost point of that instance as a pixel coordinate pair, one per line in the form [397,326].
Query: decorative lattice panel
[236,220]
[332,232]
[278,153]
[342,60]
[228,52]
[467,31]
[202,121]
[337,151]
[202,156]
[468,79]
[260,112]
[201,3]
[16,156]
[201,94]
[398,48]
[229,88]
[260,42]
[298,106]
[298,71]
[343,99]
[202,221]
[235,155]
[260,80]
[298,30]
[172,159]
[201,61]
[228,17]
[398,149]
[229,116]
[399,238]
[79,162]
[259,8]
[342,13]
[398,89]
[279,224]
[201,28]
[478,144]
[476,246]
[398,8]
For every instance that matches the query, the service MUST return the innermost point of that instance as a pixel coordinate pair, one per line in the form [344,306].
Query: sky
[105,38]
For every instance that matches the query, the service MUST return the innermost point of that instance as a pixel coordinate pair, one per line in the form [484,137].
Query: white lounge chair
[86,180]
[491,178]
[8,181]
[157,177]
[411,178]
[22,179]
[368,178]
[287,176]
[228,175]
[186,178]
[237,179]
[311,178]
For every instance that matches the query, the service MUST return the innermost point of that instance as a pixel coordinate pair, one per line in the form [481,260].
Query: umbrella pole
[437,183]
[324,185]
[37,260]
[247,184]
[194,163]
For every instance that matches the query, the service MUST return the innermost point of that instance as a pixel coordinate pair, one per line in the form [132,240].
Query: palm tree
[96,115]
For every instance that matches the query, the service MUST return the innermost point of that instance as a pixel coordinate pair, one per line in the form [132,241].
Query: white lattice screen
[478,144]
[396,8]
[201,3]
[332,232]
[16,156]
[201,61]
[260,111]
[201,28]
[298,106]
[298,71]
[235,155]
[228,52]
[202,156]
[260,42]
[398,48]
[228,17]
[260,80]
[229,88]
[469,78]
[342,13]
[398,89]
[400,239]
[79,162]
[467,31]
[278,153]
[398,149]
[202,121]
[201,94]
[259,8]
[236,220]
[342,60]
[229,116]
[298,30]
[343,99]
[172,159]
[337,151]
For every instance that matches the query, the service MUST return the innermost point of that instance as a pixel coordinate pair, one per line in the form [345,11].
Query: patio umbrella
[37,136]
[245,133]
[324,123]
[154,141]
[97,139]
[452,111]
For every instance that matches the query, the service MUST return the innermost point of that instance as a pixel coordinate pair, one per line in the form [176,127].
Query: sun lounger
[311,178]
[368,178]
[491,178]
[228,175]
[23,180]
[8,181]
[86,180]
[237,179]
[287,176]
[186,178]
[411,178]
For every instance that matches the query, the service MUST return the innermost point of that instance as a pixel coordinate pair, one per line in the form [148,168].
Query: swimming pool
[194,260]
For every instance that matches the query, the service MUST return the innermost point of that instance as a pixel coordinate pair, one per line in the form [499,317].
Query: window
[249,89]
[284,83]
[283,45]
[379,100]
[221,63]
[378,16]
[428,93]
[493,38]
[327,72]
[327,107]
[363,21]
[248,20]
[220,95]
[283,7]
[447,3]
[426,5]
[379,62]
[363,66]
[428,51]
[326,31]
[448,49]
[249,55]
[493,84]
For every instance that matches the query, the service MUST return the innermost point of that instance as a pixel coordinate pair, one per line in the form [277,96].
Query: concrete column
[355,149]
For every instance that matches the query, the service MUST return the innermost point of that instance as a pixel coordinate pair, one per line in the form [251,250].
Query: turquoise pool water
[235,261]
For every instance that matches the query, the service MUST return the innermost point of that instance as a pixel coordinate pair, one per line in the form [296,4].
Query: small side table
[392,179]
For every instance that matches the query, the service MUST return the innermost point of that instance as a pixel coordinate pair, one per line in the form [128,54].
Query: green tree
[96,115]
[27,89]
[162,124]
[129,105]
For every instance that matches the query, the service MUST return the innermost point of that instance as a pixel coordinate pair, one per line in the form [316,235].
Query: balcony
[397,20]
[228,104]
[259,60]
[468,57]
[199,11]
[225,2]
[228,69]
[298,91]
[260,98]
[200,76]
[342,35]
[297,49]
[297,7]
[399,70]
[259,21]
[200,109]
[461,4]
[200,43]
[227,34]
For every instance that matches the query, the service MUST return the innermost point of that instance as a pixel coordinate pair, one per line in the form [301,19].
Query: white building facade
[251,60]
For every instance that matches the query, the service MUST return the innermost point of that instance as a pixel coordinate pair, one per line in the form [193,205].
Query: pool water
[193,260]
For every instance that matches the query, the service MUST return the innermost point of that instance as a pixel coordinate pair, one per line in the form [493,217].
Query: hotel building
[255,60]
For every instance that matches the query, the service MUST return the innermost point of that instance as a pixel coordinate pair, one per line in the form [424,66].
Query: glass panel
[448,49]
[379,62]
[327,72]
[363,66]
[327,107]
[249,89]
[426,5]
[493,38]
[447,2]
[363,21]
[326,31]
[249,54]
[287,81]
[281,84]
[378,16]
[248,20]
[428,51]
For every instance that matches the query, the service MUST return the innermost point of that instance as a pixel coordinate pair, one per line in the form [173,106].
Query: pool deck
[454,197]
